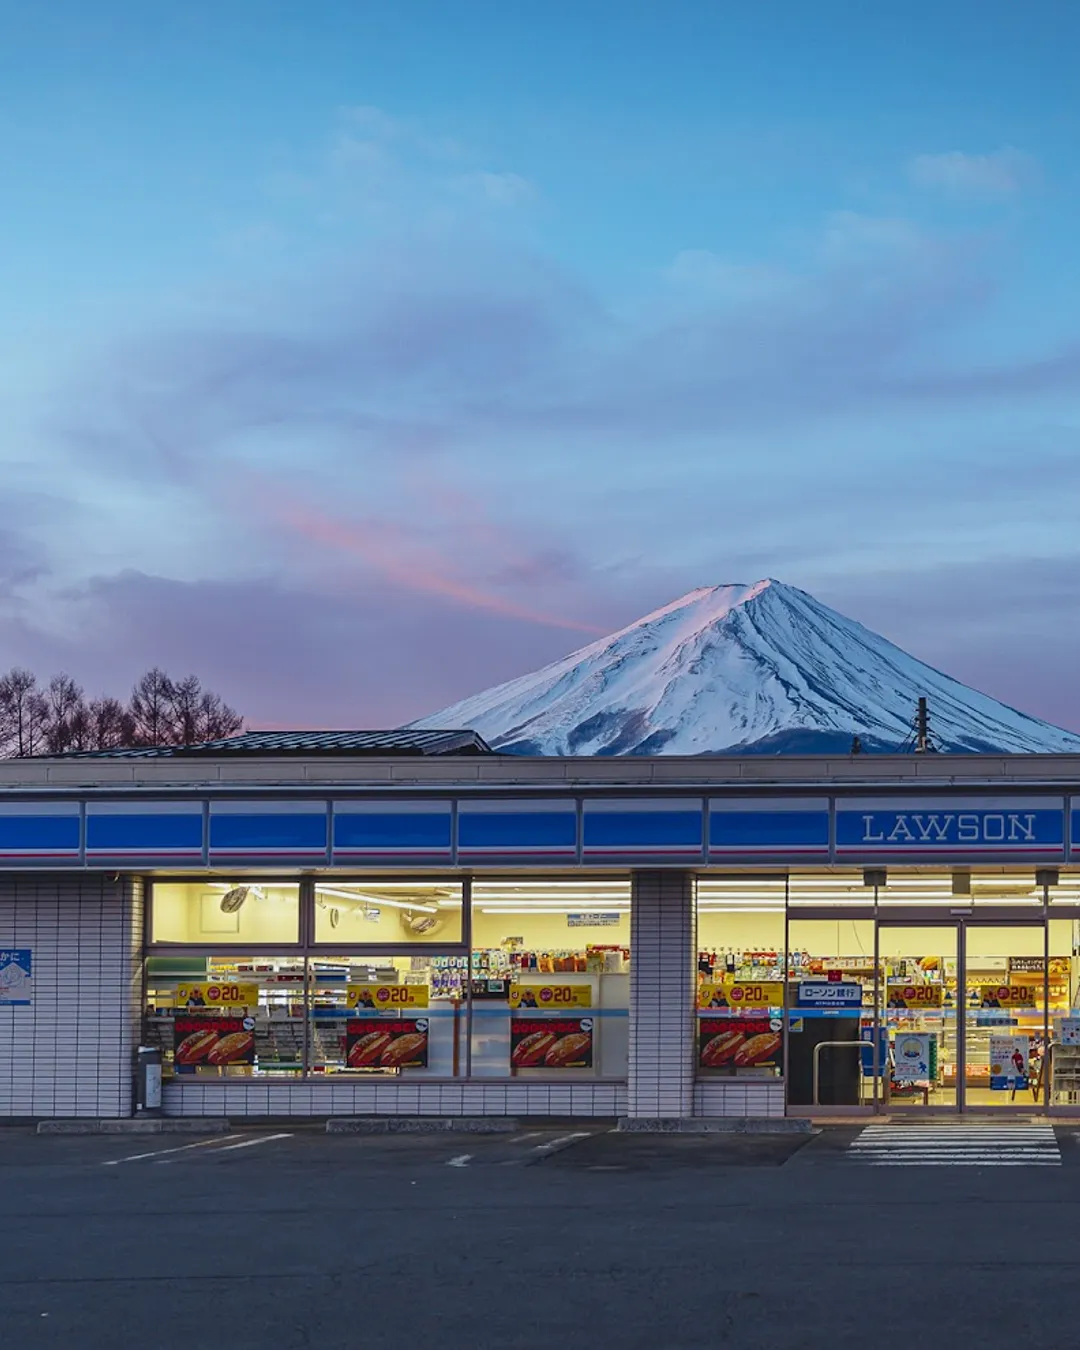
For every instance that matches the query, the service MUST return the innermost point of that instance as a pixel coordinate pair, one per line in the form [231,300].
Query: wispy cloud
[997,174]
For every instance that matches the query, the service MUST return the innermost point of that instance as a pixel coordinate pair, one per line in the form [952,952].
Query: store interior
[968,985]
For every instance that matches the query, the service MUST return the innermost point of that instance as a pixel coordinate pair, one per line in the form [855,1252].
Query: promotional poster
[384,1043]
[213,1042]
[551,1043]
[740,1043]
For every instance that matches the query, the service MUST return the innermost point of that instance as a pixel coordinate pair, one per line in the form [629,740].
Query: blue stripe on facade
[754,830]
[518,830]
[39,834]
[146,834]
[304,832]
[379,832]
[642,830]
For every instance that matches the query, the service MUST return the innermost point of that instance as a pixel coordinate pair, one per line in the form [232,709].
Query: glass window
[550,977]
[1064,979]
[830,1009]
[401,1015]
[250,914]
[740,976]
[226,1016]
[348,913]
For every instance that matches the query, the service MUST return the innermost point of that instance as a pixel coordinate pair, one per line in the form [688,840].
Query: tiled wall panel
[394,1099]
[661,1069]
[748,1098]
[70,1052]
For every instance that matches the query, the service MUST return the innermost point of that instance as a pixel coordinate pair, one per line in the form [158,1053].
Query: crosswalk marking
[956,1145]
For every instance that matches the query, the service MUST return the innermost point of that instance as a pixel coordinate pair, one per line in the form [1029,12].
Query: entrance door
[918,997]
[1005,1016]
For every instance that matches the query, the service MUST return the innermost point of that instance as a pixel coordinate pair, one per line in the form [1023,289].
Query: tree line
[55,718]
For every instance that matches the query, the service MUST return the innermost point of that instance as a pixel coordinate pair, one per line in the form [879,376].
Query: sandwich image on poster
[213,1042]
[386,1043]
[740,1042]
[551,1043]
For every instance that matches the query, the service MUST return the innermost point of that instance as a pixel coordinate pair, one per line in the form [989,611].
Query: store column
[661,1069]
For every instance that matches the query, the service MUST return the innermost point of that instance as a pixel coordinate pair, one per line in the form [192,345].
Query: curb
[423,1125]
[714,1125]
[180,1125]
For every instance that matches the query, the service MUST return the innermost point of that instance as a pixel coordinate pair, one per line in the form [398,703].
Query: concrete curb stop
[422,1125]
[137,1125]
[714,1125]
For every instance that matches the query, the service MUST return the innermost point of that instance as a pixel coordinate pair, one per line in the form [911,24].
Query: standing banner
[915,1057]
[16,977]
[1009,1060]
[385,1043]
[551,1043]
[213,1041]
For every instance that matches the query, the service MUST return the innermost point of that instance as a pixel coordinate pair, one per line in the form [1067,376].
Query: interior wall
[191,912]
[545,932]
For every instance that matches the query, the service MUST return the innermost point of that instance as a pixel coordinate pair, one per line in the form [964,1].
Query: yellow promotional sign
[220,994]
[387,997]
[904,995]
[555,997]
[1007,996]
[737,994]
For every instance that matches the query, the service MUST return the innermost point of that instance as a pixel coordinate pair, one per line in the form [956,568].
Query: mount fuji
[759,669]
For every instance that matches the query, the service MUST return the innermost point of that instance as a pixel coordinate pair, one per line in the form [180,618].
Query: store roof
[248,743]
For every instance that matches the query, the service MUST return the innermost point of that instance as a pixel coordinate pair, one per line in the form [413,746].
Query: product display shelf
[1065,1075]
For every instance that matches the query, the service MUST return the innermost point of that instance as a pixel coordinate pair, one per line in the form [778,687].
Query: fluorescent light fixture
[374,901]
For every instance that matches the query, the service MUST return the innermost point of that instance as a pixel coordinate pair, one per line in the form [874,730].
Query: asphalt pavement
[561,1236]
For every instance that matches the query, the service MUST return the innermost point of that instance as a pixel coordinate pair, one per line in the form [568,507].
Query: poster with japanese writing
[386,1043]
[16,977]
[213,1042]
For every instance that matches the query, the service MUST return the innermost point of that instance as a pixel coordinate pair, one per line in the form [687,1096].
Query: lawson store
[405,923]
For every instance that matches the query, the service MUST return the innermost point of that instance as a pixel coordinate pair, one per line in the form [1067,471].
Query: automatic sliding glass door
[1007,994]
[918,1000]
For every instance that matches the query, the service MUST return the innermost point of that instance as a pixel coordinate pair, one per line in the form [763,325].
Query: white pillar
[662,928]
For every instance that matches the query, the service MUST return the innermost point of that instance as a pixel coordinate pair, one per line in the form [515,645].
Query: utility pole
[922,728]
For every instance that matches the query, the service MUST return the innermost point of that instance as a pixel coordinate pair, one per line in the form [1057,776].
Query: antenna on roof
[920,739]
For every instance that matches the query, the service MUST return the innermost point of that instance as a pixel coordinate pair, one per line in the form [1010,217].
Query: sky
[361,354]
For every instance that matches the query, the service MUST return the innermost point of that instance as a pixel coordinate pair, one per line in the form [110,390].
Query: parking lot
[558,1234]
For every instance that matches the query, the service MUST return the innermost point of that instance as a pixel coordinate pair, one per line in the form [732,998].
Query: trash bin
[148,1081]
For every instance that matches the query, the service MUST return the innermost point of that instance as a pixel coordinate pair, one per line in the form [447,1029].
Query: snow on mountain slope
[763,668]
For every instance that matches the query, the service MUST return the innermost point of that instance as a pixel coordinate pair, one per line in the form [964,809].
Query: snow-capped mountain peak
[740,669]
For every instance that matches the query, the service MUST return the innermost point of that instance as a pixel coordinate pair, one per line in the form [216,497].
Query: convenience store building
[406,923]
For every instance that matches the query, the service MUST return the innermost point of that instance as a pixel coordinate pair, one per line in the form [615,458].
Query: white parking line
[158,1152]
[562,1142]
[460,1160]
[520,1138]
[250,1143]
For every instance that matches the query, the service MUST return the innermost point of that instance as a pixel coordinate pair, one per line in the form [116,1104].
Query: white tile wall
[394,1099]
[661,1069]
[70,1053]
[749,1098]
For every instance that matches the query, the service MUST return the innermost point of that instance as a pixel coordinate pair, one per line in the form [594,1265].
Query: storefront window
[830,1012]
[226,1016]
[1064,1056]
[400,1015]
[350,913]
[550,978]
[740,977]
[250,914]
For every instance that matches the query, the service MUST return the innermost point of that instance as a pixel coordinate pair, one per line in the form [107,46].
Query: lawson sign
[951,827]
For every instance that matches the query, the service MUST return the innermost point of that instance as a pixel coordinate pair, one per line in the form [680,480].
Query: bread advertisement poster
[551,1043]
[386,1043]
[212,1042]
[740,1042]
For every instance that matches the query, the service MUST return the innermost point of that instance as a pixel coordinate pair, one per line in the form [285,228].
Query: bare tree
[66,719]
[111,725]
[184,708]
[23,712]
[216,719]
[151,708]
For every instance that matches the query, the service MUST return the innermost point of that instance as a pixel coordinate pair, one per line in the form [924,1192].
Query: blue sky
[359,355]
